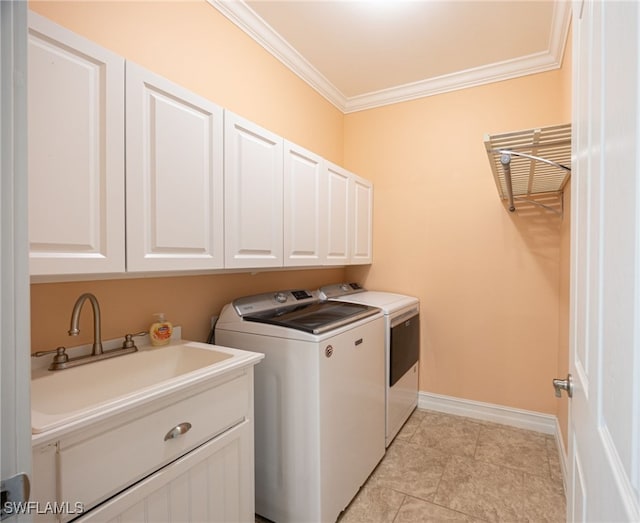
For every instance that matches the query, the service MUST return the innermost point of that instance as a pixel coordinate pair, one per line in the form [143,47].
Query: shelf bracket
[505,160]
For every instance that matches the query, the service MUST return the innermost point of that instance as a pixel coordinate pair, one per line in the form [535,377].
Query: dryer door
[404,346]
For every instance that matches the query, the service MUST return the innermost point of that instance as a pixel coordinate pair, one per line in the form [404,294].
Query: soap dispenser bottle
[160,330]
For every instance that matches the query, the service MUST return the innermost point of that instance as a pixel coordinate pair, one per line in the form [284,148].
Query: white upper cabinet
[305,187]
[76,153]
[362,220]
[205,188]
[253,195]
[349,217]
[338,215]
[174,176]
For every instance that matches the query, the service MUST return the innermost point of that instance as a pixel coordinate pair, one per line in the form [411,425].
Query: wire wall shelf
[530,163]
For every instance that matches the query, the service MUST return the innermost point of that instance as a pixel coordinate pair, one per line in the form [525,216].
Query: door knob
[560,385]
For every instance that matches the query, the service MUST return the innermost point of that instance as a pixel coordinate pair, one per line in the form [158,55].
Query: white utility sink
[89,391]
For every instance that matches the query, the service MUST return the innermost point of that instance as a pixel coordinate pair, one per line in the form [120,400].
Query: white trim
[524,419]
[536,63]
[251,23]
[15,400]
[623,482]
[562,454]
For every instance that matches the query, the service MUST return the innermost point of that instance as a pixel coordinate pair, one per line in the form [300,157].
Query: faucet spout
[75,317]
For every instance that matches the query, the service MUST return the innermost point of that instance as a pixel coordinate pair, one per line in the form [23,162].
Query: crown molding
[507,70]
[251,23]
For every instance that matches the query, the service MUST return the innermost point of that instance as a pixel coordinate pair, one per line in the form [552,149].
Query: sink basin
[62,397]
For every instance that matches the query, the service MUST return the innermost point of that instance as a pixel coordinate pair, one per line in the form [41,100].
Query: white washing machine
[319,399]
[402,347]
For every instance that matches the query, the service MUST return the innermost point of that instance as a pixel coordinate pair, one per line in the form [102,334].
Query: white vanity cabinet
[76,153]
[253,184]
[208,484]
[174,176]
[127,467]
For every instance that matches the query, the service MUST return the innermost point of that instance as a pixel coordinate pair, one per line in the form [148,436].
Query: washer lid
[315,318]
[389,302]
[385,300]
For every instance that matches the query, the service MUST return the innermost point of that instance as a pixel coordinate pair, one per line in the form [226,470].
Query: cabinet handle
[178,430]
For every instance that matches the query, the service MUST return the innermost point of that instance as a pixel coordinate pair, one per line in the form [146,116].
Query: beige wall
[128,305]
[489,280]
[191,44]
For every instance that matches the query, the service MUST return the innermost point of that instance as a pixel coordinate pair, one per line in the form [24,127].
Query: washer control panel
[274,300]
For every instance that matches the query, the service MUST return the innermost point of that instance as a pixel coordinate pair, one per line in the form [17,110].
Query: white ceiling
[366,53]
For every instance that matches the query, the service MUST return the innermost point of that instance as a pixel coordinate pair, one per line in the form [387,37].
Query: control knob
[280,297]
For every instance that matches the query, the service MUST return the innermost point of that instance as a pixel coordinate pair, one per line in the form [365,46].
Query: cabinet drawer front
[98,467]
[212,483]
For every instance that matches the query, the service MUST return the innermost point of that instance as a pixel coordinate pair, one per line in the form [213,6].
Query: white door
[174,176]
[604,431]
[304,207]
[15,424]
[253,177]
[76,153]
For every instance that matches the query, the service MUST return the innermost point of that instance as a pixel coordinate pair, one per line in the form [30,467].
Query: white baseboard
[524,419]
[562,454]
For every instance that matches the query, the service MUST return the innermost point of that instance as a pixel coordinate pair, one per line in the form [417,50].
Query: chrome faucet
[75,317]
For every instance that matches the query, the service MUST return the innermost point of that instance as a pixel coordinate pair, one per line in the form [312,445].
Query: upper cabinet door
[76,153]
[362,218]
[338,215]
[174,176]
[253,194]
[304,207]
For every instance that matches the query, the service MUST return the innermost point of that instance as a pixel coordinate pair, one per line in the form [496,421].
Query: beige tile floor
[449,468]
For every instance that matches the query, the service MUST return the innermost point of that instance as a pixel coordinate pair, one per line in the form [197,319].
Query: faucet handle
[60,357]
[128,340]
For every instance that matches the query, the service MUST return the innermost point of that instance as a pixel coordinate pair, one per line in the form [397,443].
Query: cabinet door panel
[253,195]
[174,176]
[338,215]
[361,244]
[76,153]
[304,207]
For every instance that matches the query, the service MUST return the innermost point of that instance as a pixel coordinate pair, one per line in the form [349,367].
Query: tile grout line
[399,506]
[477,518]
